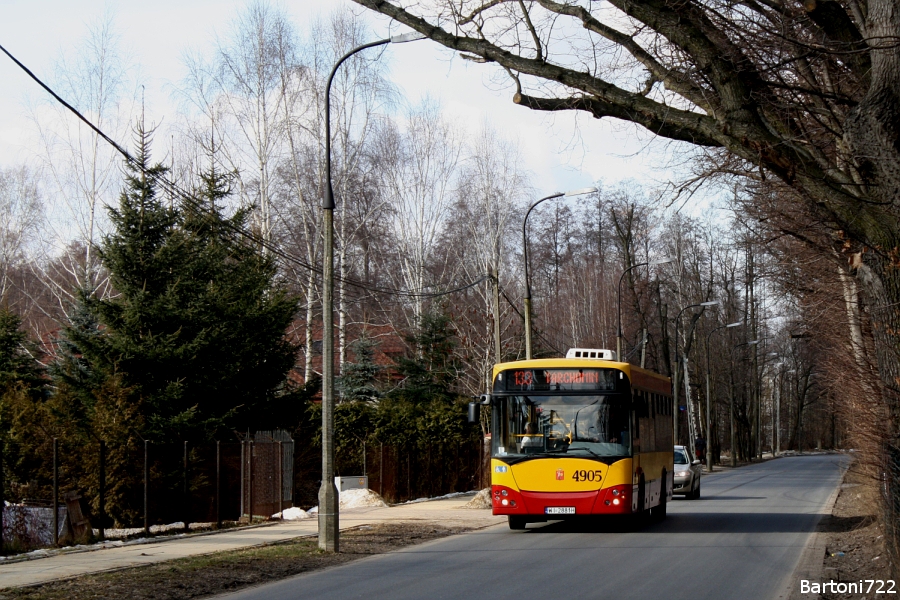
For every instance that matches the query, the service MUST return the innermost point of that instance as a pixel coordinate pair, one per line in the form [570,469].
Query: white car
[687,474]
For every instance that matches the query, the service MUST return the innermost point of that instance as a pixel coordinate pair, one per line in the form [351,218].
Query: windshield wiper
[588,450]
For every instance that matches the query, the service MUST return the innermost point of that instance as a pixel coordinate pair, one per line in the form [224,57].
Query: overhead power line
[192,202]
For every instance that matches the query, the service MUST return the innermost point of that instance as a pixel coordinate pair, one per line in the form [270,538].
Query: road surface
[741,540]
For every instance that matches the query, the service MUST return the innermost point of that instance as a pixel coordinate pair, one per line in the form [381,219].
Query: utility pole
[495,281]
[777,434]
[329,527]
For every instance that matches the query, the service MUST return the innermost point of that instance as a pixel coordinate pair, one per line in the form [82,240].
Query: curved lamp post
[570,193]
[328,494]
[652,263]
[773,403]
[709,465]
[675,387]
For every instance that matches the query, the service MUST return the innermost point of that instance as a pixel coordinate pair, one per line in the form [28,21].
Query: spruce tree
[359,379]
[432,369]
[19,366]
[196,325]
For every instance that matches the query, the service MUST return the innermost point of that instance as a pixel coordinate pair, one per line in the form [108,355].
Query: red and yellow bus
[579,436]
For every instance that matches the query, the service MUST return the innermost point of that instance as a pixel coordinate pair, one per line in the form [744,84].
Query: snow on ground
[355,499]
[360,498]
[444,497]
[481,500]
[176,527]
[292,514]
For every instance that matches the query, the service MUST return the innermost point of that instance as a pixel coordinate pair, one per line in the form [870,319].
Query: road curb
[67,550]
[38,584]
[811,565]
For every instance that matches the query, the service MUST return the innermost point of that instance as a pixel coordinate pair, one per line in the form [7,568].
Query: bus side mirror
[483,400]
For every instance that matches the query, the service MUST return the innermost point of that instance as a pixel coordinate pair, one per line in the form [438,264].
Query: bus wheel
[516,522]
[663,496]
[642,497]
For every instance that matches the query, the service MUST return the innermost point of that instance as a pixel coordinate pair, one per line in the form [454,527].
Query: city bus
[581,435]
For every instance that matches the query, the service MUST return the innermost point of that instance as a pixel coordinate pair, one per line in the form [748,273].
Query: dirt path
[855,544]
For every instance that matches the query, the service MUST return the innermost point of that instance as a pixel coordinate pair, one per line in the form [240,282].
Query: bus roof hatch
[595,353]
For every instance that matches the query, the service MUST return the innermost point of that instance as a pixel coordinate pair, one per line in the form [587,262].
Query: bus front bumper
[556,505]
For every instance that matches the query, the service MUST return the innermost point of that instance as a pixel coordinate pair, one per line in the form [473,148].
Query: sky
[562,151]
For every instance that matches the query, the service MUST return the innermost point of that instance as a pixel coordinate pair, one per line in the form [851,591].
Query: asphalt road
[741,540]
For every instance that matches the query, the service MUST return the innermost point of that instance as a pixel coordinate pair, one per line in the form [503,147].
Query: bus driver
[531,441]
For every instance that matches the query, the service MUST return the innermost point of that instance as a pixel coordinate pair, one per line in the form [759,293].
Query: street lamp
[675,388]
[709,465]
[774,404]
[652,263]
[328,494]
[578,192]
[736,346]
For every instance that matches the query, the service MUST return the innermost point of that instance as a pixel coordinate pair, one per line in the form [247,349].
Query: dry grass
[212,574]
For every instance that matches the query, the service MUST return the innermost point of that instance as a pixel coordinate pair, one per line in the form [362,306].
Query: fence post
[102,494]
[243,478]
[146,487]
[2,499]
[187,498]
[55,492]
[218,484]
[381,472]
[480,463]
[250,473]
[281,479]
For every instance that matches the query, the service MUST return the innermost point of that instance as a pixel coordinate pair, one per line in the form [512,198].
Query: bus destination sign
[534,380]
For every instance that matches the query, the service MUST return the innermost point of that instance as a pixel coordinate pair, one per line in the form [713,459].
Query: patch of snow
[292,514]
[355,499]
[360,498]
[444,497]
[171,527]
[481,500]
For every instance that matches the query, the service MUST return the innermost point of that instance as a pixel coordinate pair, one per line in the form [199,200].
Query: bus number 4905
[587,475]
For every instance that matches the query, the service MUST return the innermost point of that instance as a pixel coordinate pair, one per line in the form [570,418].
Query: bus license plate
[559,510]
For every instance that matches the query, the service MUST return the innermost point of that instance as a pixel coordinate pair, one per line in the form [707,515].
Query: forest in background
[429,257]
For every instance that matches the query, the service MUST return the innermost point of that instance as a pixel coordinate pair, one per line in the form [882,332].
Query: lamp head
[753,343]
[407,37]
[661,261]
[736,324]
[581,191]
[710,303]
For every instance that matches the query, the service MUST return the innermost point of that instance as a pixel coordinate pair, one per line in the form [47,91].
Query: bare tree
[479,241]
[21,217]
[418,175]
[82,166]
[805,92]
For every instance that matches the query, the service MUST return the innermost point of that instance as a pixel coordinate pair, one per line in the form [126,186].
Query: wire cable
[195,204]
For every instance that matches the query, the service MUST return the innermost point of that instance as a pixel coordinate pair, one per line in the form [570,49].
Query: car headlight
[681,473]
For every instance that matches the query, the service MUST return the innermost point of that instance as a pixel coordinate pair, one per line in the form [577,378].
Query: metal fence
[400,474]
[141,485]
[267,474]
[147,484]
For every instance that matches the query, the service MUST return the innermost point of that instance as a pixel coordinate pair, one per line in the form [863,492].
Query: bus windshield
[583,426]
